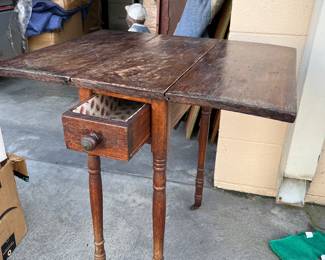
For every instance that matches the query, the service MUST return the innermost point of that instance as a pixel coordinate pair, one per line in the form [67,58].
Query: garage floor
[228,226]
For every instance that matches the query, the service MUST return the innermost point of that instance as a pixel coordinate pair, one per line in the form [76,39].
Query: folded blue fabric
[47,16]
[196,17]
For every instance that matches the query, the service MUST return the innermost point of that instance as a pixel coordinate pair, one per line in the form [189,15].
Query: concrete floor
[228,226]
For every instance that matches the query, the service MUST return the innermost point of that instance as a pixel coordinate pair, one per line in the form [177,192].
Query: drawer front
[108,138]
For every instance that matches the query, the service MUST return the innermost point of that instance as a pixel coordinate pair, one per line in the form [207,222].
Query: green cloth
[299,247]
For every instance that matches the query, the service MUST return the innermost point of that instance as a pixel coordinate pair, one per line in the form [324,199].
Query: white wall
[308,132]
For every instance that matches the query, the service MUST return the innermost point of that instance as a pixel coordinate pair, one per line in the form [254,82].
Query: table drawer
[107,126]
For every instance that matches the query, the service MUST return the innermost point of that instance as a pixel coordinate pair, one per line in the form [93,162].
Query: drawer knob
[89,142]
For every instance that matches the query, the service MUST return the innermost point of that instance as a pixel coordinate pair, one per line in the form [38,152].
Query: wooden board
[252,78]
[145,70]
[215,127]
[151,20]
[123,62]
[72,29]
[191,120]
[224,20]
[60,62]
[177,111]
[170,13]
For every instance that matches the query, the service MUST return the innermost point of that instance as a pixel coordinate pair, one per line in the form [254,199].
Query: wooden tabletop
[251,78]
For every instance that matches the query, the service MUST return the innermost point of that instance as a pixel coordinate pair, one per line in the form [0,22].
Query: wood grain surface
[122,62]
[63,61]
[251,78]
[147,69]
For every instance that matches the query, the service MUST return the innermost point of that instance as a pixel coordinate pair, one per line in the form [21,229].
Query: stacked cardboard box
[72,28]
[12,221]
[249,153]
[70,4]
[92,20]
[250,148]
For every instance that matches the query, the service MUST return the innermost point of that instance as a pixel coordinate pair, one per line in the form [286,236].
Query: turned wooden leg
[203,141]
[159,149]
[96,203]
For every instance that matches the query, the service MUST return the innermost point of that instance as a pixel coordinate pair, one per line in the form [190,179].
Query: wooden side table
[156,70]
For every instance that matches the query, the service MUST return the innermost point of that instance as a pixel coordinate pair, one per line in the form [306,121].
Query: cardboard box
[12,221]
[289,17]
[72,29]
[248,153]
[250,148]
[70,4]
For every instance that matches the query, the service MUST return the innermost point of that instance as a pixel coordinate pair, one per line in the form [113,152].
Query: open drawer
[107,126]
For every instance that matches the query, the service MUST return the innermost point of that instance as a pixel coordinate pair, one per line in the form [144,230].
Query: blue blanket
[47,16]
[196,16]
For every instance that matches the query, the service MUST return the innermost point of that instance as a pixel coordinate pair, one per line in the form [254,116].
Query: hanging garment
[197,15]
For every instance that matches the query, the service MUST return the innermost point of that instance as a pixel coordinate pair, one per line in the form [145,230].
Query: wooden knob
[89,142]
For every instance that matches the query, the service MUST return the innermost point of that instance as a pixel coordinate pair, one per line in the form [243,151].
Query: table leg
[96,203]
[160,126]
[203,141]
